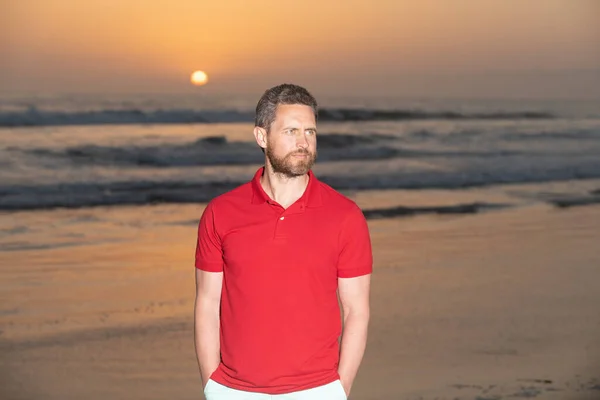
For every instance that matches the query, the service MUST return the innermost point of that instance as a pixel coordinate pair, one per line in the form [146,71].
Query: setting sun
[199,78]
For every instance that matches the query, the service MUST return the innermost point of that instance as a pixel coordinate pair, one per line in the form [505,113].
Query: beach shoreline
[490,305]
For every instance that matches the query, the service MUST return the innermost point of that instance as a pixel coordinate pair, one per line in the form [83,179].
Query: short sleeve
[209,251]
[356,257]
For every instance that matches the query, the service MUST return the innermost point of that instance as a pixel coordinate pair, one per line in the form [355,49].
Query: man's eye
[310,132]
[289,131]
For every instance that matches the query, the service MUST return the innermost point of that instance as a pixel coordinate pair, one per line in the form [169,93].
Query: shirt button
[282,218]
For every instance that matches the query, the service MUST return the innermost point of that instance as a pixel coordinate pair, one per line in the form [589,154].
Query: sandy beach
[97,303]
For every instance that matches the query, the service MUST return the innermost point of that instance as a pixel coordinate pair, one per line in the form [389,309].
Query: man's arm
[354,296]
[206,321]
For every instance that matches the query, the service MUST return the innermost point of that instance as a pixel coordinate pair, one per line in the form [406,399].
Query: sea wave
[37,117]
[551,136]
[568,200]
[407,211]
[217,150]
[136,192]
[404,211]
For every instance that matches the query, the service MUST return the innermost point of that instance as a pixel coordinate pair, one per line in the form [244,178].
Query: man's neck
[283,189]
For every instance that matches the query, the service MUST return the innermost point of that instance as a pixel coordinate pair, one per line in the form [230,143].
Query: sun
[199,78]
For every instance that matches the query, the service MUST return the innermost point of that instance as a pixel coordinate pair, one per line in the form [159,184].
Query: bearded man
[272,257]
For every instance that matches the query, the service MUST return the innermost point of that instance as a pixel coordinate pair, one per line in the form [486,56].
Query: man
[272,257]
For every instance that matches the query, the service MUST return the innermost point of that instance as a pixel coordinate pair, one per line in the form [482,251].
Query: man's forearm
[206,335]
[354,341]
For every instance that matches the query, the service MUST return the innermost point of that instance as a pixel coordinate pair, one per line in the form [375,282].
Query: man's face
[292,141]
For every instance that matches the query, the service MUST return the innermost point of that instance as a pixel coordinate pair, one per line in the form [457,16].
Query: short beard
[286,167]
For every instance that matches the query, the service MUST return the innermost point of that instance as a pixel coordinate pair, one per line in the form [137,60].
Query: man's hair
[286,93]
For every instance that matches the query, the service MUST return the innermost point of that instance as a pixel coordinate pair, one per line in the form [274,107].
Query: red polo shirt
[280,318]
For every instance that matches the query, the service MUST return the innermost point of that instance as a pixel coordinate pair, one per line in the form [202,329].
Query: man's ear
[260,134]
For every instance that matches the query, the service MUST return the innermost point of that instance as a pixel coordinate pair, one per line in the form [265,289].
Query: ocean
[84,151]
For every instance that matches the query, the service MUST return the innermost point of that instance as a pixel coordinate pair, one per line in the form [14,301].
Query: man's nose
[301,141]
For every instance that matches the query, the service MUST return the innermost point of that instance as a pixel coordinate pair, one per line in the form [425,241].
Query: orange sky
[424,47]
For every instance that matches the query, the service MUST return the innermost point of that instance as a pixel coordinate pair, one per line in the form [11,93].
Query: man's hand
[205,379]
[346,387]
[354,296]
[206,322]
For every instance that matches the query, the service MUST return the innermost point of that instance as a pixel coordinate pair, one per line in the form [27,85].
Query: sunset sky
[537,48]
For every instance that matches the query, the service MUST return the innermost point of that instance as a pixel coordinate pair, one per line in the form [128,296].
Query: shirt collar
[310,198]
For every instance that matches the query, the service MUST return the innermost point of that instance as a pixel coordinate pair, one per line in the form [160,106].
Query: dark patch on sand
[546,381]
[528,391]
[499,352]
[463,386]
[536,388]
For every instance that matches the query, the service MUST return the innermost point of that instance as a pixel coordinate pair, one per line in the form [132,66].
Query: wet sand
[97,304]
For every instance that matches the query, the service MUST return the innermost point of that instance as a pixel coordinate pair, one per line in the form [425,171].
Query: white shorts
[331,391]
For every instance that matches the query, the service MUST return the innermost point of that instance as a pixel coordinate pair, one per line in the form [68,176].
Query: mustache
[303,152]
